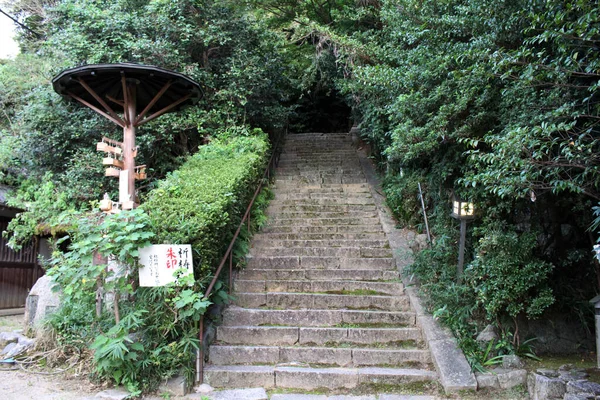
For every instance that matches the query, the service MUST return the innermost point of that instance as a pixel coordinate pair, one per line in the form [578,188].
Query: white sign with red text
[161,262]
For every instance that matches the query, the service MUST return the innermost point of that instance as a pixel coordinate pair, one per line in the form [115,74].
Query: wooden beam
[154,100]
[99,111]
[118,102]
[99,99]
[125,99]
[164,110]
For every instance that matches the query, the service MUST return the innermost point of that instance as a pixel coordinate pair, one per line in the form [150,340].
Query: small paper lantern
[462,209]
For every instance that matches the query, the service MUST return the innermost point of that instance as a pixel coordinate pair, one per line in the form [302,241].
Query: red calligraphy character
[171,258]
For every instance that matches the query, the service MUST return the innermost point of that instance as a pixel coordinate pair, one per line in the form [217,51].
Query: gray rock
[419,243]
[8,337]
[27,342]
[113,394]
[203,389]
[452,366]
[548,388]
[298,397]
[487,381]
[569,372]
[573,375]
[239,394]
[550,373]
[16,350]
[512,361]
[41,301]
[175,385]
[8,348]
[488,334]
[583,387]
[510,378]
[571,396]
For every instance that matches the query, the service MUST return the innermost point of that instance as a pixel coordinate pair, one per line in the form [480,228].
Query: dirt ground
[16,384]
[19,385]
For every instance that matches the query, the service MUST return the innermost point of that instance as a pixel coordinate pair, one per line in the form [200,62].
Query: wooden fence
[19,270]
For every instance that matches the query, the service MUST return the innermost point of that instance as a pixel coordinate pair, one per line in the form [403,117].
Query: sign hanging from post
[160,262]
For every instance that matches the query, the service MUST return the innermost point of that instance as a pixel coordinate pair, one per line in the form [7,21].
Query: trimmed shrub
[203,201]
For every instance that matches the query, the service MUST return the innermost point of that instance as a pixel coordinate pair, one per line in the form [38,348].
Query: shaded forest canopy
[497,101]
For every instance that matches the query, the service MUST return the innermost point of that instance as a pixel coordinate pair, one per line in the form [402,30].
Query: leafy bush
[202,202]
[506,276]
[154,334]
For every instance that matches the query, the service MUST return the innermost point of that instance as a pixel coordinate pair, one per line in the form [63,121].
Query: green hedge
[203,201]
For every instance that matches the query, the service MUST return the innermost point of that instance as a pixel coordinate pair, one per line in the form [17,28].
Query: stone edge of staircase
[449,361]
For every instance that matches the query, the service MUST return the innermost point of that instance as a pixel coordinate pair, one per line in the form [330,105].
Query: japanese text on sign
[164,263]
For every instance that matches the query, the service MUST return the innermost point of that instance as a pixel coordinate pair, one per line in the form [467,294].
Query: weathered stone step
[320,236]
[292,187]
[299,195]
[292,262]
[346,208]
[232,376]
[294,335]
[321,214]
[319,274]
[348,187]
[310,171]
[303,201]
[288,175]
[317,318]
[296,301]
[299,222]
[326,179]
[347,243]
[325,287]
[343,357]
[324,229]
[346,252]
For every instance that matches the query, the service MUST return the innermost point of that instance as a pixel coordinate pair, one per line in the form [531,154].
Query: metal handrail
[273,162]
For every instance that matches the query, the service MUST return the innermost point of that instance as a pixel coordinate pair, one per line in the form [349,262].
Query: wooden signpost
[118,92]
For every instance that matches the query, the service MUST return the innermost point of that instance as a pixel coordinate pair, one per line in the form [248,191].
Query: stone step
[292,262]
[310,170]
[320,236]
[283,200]
[348,187]
[235,316]
[321,214]
[372,228]
[231,376]
[296,301]
[345,208]
[345,252]
[325,179]
[319,274]
[319,286]
[334,243]
[300,222]
[346,196]
[288,175]
[294,335]
[314,356]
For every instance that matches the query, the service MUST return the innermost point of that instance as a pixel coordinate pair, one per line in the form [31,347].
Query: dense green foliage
[498,102]
[196,193]
[239,63]
[203,201]
[200,204]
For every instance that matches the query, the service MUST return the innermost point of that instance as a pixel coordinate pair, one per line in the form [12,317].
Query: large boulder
[41,302]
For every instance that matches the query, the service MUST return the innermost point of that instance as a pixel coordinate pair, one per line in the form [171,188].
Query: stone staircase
[320,304]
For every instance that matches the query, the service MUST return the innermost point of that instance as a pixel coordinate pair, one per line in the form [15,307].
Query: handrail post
[230,272]
[200,357]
